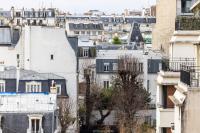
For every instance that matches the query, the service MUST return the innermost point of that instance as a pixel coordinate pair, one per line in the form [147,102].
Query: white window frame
[2,85]
[85,52]
[33,86]
[106,67]
[58,87]
[35,117]
[106,84]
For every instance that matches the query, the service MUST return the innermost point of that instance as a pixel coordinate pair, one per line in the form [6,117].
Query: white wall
[27,102]
[184,50]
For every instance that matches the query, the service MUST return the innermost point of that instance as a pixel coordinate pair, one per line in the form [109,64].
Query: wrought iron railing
[175,64]
[190,75]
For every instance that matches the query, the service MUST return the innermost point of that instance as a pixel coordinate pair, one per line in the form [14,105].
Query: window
[2,86]
[85,52]
[115,66]
[83,32]
[99,32]
[33,87]
[18,56]
[148,84]
[35,123]
[106,84]
[51,56]
[18,21]
[140,67]
[76,32]
[58,87]
[40,22]
[28,21]
[93,32]
[88,32]
[106,67]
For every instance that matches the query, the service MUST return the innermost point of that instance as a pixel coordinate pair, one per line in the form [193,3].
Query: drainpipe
[17,76]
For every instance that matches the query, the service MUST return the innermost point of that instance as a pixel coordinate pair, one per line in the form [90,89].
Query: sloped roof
[10,73]
[5,35]
[9,36]
[82,26]
[136,35]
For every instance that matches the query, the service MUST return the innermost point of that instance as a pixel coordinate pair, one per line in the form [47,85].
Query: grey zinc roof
[9,36]
[136,35]
[82,26]
[5,35]
[10,73]
[6,14]
[114,47]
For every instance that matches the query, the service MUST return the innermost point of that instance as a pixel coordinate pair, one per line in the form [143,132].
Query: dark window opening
[52,57]
[18,56]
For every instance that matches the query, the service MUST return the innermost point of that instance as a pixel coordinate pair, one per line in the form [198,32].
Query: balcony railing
[175,64]
[187,23]
[190,75]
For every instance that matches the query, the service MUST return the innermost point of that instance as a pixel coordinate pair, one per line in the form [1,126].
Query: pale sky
[79,6]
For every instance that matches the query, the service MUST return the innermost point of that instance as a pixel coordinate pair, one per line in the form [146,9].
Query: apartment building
[34,16]
[94,30]
[176,96]
[5,17]
[44,50]
[165,21]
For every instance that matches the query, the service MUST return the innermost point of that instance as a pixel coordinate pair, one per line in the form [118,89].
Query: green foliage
[116,40]
[145,128]
[106,98]
[187,23]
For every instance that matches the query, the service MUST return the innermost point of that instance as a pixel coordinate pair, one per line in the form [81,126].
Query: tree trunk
[103,117]
[88,106]
[63,130]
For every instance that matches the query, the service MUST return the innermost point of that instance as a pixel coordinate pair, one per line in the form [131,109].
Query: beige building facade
[165,24]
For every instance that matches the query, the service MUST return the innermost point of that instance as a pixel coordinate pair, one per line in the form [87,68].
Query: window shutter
[80,51]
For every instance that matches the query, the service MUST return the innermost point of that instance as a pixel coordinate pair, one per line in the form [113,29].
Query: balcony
[174,65]
[190,75]
[187,23]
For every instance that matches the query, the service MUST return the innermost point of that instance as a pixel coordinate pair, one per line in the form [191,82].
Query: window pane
[37,125]
[33,125]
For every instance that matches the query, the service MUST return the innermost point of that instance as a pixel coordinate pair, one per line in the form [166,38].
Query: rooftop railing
[187,23]
[174,65]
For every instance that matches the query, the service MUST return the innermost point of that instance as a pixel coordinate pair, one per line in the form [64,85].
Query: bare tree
[129,92]
[65,117]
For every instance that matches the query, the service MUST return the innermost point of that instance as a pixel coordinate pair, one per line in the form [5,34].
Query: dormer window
[2,86]
[85,52]
[33,86]
[58,87]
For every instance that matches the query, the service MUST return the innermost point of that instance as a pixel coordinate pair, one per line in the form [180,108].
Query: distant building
[5,18]
[42,17]
[94,30]
[153,11]
[128,12]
